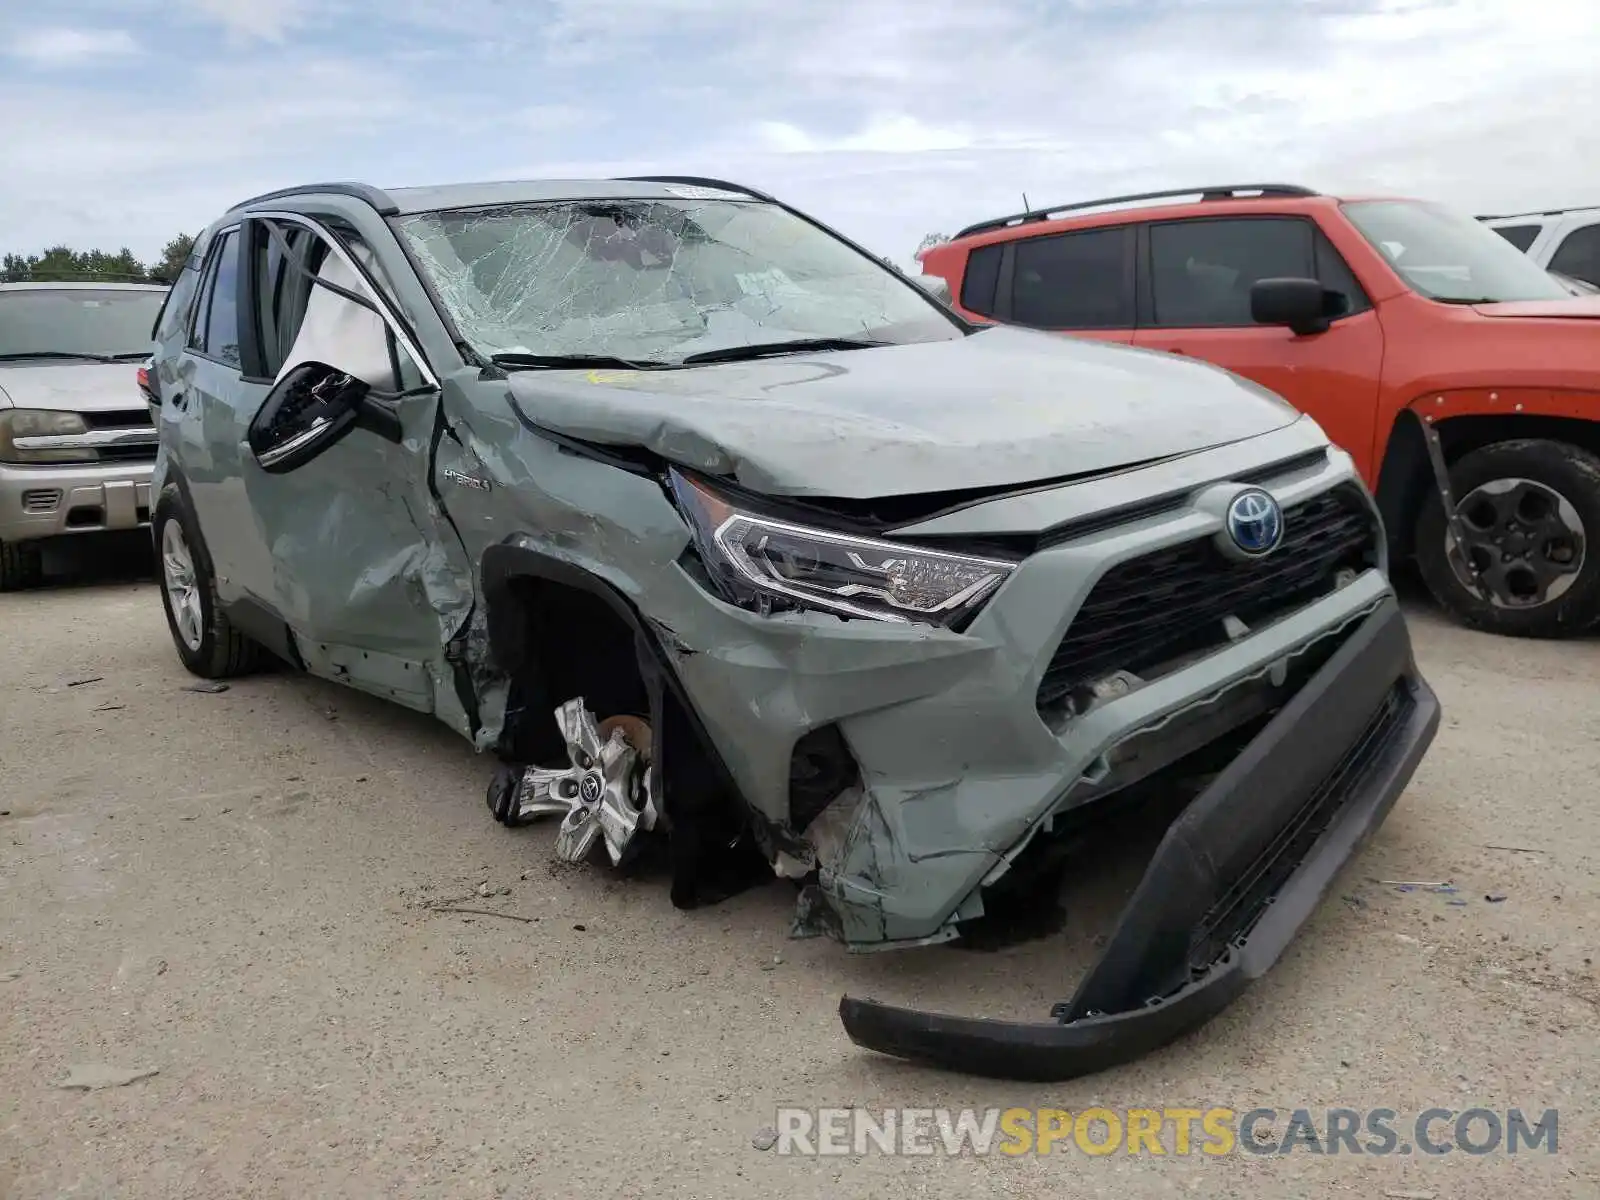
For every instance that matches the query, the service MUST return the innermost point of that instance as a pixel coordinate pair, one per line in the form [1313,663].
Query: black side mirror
[1304,305]
[307,412]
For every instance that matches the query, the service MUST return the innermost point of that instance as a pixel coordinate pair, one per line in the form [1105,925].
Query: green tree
[60,264]
[173,256]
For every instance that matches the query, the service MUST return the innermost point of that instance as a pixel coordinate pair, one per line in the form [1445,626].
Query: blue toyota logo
[1255,522]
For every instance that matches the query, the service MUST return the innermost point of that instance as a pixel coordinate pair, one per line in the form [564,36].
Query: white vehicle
[77,445]
[1563,240]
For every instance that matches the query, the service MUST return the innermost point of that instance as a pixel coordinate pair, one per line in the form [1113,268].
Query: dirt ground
[236,890]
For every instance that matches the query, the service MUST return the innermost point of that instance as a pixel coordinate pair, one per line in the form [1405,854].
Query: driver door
[362,563]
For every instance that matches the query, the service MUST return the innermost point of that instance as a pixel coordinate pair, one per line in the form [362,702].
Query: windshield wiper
[515,361]
[75,354]
[1471,299]
[768,349]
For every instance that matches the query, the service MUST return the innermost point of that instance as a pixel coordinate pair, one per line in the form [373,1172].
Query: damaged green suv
[733,544]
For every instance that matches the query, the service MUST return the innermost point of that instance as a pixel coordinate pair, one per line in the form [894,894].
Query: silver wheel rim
[181,586]
[1525,539]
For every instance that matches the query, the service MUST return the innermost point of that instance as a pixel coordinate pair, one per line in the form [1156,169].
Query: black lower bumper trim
[1232,881]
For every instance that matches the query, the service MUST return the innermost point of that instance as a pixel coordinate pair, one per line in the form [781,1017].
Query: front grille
[1166,607]
[127,419]
[133,418]
[1236,911]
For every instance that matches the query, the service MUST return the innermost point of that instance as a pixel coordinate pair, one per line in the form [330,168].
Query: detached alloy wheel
[1529,511]
[205,640]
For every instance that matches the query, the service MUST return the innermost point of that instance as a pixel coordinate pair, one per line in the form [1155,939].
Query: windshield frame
[474,358]
[86,291]
[1449,219]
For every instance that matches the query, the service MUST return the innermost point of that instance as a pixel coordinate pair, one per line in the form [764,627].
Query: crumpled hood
[67,386]
[1003,407]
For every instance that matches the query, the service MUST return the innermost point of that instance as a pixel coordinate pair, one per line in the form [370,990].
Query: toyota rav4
[728,539]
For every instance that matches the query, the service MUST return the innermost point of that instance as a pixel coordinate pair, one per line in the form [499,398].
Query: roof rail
[1236,191]
[376,197]
[695,181]
[1537,212]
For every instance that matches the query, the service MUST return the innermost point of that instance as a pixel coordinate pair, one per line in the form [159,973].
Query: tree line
[63,264]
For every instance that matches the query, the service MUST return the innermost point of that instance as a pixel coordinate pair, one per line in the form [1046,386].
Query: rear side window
[1520,236]
[216,327]
[979,280]
[1202,271]
[1074,280]
[1579,255]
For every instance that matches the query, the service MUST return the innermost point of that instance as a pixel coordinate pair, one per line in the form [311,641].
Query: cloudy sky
[123,122]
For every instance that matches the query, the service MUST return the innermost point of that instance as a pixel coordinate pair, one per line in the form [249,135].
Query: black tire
[1570,471]
[222,652]
[21,566]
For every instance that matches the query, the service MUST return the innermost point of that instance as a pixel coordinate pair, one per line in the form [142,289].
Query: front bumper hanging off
[1235,877]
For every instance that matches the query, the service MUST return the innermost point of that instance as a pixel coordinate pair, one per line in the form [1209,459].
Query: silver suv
[738,548]
[76,441]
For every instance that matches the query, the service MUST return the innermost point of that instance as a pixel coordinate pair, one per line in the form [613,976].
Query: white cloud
[887,118]
[64,47]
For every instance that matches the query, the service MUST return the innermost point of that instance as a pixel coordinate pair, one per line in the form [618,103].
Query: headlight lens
[766,565]
[28,422]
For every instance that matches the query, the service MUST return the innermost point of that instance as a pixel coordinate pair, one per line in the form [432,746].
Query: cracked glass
[652,281]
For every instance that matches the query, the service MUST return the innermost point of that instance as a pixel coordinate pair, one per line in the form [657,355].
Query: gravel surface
[235,891]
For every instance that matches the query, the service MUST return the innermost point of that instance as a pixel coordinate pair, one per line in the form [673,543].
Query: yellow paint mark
[611,376]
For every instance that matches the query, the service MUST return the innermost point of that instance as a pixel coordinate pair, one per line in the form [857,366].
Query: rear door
[1194,299]
[1080,282]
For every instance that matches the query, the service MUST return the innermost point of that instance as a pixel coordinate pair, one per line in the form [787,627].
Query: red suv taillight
[144,382]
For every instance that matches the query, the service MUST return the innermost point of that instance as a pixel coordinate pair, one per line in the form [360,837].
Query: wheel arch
[1405,478]
[510,575]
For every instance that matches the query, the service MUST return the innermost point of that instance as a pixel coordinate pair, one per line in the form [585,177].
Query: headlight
[27,422]
[765,564]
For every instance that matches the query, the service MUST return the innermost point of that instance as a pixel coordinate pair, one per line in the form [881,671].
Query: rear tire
[21,566]
[1532,513]
[207,643]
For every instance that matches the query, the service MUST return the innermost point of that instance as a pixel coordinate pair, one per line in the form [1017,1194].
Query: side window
[1520,236]
[220,338]
[1201,272]
[980,278]
[300,320]
[173,318]
[281,290]
[1334,272]
[1073,280]
[1579,255]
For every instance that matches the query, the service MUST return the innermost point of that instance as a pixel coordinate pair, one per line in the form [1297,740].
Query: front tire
[206,641]
[21,566]
[1530,510]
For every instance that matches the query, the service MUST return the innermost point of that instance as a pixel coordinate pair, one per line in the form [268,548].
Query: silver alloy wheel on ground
[1525,539]
[181,586]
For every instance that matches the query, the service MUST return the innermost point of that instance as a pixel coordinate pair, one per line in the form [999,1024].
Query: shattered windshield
[657,280]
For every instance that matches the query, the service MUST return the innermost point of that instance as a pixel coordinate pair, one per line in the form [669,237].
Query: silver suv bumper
[47,501]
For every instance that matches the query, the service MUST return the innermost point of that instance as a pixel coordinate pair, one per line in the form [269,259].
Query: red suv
[1462,378]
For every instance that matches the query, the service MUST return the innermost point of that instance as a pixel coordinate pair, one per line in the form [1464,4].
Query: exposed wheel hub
[604,794]
[1524,539]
